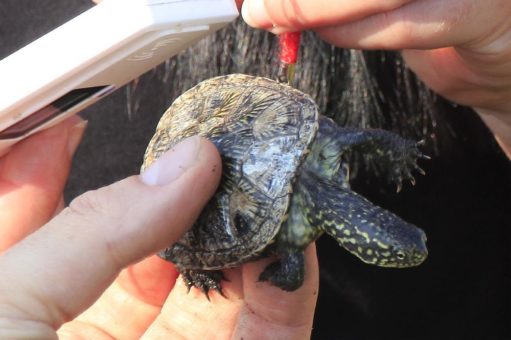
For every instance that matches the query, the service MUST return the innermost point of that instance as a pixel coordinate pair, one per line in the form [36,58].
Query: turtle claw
[399,182]
[404,166]
[420,170]
[399,186]
[419,154]
[205,280]
[410,177]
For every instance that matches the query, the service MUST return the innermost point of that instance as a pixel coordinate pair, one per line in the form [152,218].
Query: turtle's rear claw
[205,280]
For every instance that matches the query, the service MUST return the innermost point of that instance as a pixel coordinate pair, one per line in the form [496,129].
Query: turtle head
[393,243]
[373,234]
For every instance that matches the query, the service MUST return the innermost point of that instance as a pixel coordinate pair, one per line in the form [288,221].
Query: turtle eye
[400,255]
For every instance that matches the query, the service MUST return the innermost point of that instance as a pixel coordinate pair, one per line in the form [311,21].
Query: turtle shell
[262,129]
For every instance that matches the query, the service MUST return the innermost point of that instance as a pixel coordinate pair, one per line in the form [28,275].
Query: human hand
[67,278]
[459,48]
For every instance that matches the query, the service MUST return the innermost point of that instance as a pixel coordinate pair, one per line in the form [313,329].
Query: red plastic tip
[289,45]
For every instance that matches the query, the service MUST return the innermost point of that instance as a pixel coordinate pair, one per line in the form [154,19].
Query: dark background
[461,292]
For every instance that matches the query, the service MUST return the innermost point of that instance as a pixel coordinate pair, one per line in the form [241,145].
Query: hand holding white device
[95,53]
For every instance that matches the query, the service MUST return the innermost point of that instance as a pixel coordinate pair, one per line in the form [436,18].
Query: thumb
[60,270]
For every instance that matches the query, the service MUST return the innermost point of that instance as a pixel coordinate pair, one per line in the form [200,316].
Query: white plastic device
[95,53]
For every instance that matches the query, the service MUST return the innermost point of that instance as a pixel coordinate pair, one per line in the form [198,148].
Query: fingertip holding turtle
[284,183]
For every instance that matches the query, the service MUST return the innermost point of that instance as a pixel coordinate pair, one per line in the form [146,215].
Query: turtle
[285,182]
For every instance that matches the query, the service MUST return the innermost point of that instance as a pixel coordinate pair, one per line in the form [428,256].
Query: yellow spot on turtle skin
[385,254]
[369,252]
[380,244]
[346,232]
[364,235]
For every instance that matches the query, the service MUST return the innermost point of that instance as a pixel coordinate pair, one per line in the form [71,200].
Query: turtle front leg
[397,155]
[205,280]
[288,273]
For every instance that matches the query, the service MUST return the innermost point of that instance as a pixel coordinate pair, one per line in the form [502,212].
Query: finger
[60,206]
[32,178]
[271,312]
[303,14]
[149,281]
[424,24]
[189,314]
[127,308]
[445,71]
[441,69]
[84,248]
[250,310]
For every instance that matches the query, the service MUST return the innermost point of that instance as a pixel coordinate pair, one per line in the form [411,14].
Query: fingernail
[173,163]
[254,13]
[279,30]
[76,132]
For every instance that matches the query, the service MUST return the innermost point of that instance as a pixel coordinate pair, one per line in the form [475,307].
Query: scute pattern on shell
[262,129]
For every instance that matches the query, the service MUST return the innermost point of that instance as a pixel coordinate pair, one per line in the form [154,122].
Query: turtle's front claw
[424,156]
[412,180]
[399,186]
[399,181]
[422,142]
[407,163]
[420,170]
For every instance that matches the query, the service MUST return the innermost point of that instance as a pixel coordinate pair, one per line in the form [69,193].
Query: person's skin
[459,48]
[90,271]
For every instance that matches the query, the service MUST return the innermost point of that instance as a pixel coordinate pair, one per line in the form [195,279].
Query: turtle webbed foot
[205,280]
[288,273]
[404,161]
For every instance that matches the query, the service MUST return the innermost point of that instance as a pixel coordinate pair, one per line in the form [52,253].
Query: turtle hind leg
[205,280]
[288,273]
